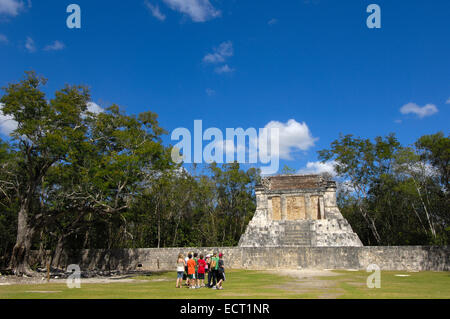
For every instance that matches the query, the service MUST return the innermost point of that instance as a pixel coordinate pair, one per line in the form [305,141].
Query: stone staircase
[297,233]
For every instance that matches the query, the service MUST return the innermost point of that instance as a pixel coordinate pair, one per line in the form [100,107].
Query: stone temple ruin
[297,210]
[296,225]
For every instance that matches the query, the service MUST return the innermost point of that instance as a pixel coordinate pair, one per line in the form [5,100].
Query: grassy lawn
[426,285]
[243,284]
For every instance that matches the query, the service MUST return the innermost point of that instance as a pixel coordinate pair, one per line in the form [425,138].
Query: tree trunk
[430,223]
[176,231]
[159,232]
[371,224]
[42,253]
[58,252]
[86,240]
[19,259]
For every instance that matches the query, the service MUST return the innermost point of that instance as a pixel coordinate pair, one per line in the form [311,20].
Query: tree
[46,132]
[288,170]
[392,194]
[8,205]
[435,149]
[362,164]
[235,199]
[103,176]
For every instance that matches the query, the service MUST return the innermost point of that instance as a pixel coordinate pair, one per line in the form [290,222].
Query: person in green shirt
[214,269]
[220,272]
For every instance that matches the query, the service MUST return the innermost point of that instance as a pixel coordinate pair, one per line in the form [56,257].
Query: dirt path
[13,280]
[307,281]
[306,273]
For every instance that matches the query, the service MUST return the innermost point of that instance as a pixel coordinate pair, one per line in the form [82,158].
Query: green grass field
[242,284]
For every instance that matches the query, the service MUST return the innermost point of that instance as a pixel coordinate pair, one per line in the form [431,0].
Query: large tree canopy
[392,194]
[75,179]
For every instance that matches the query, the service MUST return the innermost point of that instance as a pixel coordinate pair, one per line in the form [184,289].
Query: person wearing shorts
[191,272]
[201,271]
[180,270]
[186,269]
[220,272]
[208,269]
[214,268]
[196,270]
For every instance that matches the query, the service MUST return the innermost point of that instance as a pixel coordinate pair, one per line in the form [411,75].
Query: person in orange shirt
[191,271]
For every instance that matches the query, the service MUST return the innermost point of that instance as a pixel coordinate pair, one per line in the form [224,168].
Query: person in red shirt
[201,271]
[191,271]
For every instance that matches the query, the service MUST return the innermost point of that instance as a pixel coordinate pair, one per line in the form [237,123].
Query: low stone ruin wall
[262,258]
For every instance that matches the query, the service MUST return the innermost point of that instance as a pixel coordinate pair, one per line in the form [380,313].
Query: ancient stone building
[296,225]
[297,210]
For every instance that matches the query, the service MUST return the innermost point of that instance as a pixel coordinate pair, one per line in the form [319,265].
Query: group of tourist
[194,267]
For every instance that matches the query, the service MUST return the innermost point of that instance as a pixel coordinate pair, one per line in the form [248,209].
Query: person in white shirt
[180,270]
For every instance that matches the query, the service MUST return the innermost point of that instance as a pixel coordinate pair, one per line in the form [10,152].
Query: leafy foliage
[391,194]
[74,179]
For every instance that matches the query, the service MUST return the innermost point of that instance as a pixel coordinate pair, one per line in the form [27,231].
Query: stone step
[297,235]
[293,229]
[300,243]
[297,232]
[296,239]
[298,225]
[305,243]
[287,230]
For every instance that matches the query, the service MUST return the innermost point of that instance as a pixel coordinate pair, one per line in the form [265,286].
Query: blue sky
[246,63]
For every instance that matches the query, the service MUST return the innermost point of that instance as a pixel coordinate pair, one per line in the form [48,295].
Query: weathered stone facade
[297,210]
[417,258]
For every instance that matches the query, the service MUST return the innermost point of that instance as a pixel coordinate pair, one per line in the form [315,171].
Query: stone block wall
[266,258]
[285,182]
[334,232]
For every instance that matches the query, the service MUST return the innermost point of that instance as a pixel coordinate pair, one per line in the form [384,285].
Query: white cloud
[94,108]
[227,148]
[7,124]
[421,112]
[210,92]
[10,7]
[272,21]
[55,46]
[154,10]
[346,186]
[29,45]
[292,136]
[223,69]
[3,38]
[448,101]
[197,10]
[319,168]
[213,58]
[220,54]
